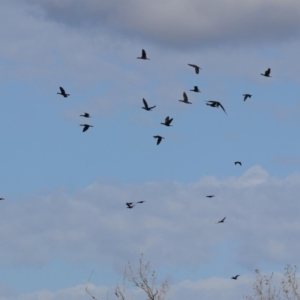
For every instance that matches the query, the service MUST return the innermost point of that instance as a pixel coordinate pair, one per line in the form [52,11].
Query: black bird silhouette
[247,96]
[185,99]
[85,127]
[63,93]
[146,107]
[210,196]
[1,198]
[197,69]
[222,221]
[86,115]
[196,89]
[267,73]
[237,163]
[141,201]
[167,121]
[159,138]
[216,104]
[129,205]
[144,55]
[235,277]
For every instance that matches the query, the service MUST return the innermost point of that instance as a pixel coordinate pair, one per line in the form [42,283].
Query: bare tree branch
[144,279]
[288,288]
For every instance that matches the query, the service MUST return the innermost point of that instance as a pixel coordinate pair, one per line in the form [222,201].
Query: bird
[146,107]
[196,89]
[267,73]
[63,93]
[197,69]
[129,205]
[235,277]
[141,201]
[144,55]
[215,104]
[86,127]
[237,163]
[222,221]
[1,198]
[247,96]
[167,121]
[159,138]
[86,115]
[185,99]
[210,196]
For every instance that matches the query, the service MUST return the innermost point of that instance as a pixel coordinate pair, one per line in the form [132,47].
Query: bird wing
[167,119]
[85,128]
[144,53]
[62,90]
[145,103]
[268,72]
[185,97]
[222,108]
[159,140]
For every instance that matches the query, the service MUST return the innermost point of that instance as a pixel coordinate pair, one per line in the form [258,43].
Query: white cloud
[176,224]
[209,289]
[182,23]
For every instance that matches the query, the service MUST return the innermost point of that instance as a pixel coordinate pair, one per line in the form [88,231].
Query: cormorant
[267,73]
[215,104]
[63,93]
[196,89]
[86,127]
[167,121]
[159,138]
[144,55]
[197,69]
[146,107]
[185,99]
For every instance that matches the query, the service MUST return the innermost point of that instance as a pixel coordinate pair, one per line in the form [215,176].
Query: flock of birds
[169,120]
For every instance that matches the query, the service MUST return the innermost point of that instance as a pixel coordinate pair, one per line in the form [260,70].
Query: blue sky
[65,191]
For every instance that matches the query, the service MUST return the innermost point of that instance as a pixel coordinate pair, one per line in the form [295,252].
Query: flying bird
[144,55]
[197,69]
[247,96]
[85,115]
[1,198]
[237,163]
[185,99]
[63,93]
[267,73]
[159,138]
[129,205]
[85,127]
[141,201]
[210,196]
[222,221]
[146,107]
[215,104]
[235,277]
[196,89]
[167,121]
